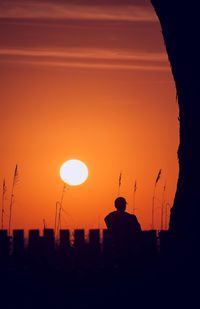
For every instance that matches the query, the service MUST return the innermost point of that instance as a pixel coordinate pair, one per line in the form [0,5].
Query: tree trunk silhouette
[180,24]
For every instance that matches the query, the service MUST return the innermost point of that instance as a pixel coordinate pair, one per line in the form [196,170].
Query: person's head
[120,204]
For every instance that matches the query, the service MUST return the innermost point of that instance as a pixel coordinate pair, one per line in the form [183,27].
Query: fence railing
[151,241]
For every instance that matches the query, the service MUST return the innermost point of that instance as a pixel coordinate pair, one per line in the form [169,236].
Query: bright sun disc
[74,172]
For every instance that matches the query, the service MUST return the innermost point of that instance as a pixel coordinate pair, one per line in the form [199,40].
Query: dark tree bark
[180,24]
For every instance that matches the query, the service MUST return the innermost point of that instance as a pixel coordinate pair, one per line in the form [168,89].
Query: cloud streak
[87,53]
[95,58]
[72,64]
[64,10]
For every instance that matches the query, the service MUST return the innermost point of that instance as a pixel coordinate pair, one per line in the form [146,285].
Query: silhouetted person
[125,230]
[121,221]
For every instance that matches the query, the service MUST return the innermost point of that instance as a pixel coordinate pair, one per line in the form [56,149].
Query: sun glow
[74,172]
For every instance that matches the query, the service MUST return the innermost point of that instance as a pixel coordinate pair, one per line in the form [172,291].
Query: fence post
[79,238]
[4,245]
[18,243]
[64,239]
[79,248]
[33,241]
[107,241]
[94,238]
[49,240]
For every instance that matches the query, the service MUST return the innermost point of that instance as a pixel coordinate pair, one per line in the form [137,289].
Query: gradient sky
[88,80]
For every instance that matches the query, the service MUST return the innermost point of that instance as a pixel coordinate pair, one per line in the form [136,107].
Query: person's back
[124,227]
[122,221]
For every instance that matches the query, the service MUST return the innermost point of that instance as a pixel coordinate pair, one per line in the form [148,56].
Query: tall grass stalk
[56,218]
[120,181]
[134,193]
[167,205]
[3,200]
[162,207]
[15,180]
[59,204]
[44,224]
[153,199]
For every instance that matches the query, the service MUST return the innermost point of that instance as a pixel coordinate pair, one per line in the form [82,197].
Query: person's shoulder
[132,216]
[111,214]
[110,218]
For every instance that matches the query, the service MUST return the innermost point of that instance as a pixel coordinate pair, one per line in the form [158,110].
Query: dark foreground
[90,275]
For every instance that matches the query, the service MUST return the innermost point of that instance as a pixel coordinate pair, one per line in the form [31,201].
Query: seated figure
[125,230]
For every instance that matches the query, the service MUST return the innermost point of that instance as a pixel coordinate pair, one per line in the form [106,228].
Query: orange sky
[87,81]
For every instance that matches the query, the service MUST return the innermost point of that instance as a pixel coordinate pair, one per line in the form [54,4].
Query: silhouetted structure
[79,238]
[4,245]
[49,240]
[180,25]
[64,239]
[18,243]
[94,238]
[107,247]
[33,240]
[78,270]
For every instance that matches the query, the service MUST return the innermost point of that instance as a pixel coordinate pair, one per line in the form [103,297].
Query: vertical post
[94,238]
[107,241]
[64,239]
[18,242]
[33,240]
[4,245]
[49,240]
[94,253]
[107,248]
[79,238]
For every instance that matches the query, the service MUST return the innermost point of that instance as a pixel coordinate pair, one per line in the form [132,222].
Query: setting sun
[74,172]
[77,85]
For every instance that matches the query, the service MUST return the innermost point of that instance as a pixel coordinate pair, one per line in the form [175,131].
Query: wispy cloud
[101,66]
[66,10]
[87,53]
[87,58]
